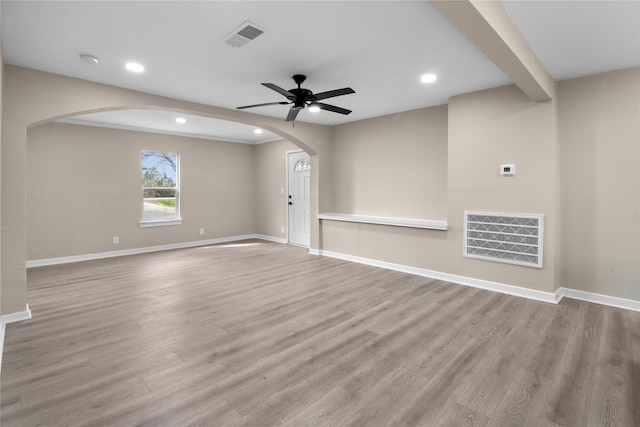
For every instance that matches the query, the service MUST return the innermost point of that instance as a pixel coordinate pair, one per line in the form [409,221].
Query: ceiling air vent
[243,34]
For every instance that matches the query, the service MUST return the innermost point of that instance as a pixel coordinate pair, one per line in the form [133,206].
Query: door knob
[290,203]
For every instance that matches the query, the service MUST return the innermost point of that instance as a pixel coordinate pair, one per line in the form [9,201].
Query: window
[160,188]
[302,165]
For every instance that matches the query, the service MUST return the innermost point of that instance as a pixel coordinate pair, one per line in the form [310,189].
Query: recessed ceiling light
[314,108]
[428,78]
[181,120]
[257,131]
[89,59]
[134,67]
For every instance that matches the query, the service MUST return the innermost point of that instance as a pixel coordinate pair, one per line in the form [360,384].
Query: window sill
[146,224]
[397,222]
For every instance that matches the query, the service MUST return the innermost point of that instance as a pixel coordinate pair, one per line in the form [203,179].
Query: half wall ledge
[431,224]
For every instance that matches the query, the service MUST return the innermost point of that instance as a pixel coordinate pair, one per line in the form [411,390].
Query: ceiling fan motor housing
[301,98]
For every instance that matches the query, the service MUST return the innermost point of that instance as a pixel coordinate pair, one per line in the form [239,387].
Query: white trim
[164,223]
[11,318]
[271,238]
[453,278]
[286,199]
[431,224]
[134,251]
[175,219]
[286,188]
[2,329]
[518,291]
[626,304]
[16,317]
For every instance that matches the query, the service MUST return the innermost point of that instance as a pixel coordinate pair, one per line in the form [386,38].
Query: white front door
[299,172]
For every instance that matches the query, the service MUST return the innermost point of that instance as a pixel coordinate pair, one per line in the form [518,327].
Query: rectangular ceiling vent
[510,238]
[243,34]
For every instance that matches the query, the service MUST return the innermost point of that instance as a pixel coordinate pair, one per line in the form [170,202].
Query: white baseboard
[16,317]
[271,238]
[10,318]
[2,329]
[135,251]
[462,280]
[550,297]
[616,302]
[453,278]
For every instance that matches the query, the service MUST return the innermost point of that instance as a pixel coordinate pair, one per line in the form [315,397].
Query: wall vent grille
[510,238]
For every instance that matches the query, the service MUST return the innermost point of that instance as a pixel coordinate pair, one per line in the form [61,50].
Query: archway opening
[83,187]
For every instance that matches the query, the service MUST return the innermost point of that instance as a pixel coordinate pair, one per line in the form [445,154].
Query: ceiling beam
[488,25]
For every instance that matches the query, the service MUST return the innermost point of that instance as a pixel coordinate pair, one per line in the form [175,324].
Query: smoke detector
[243,34]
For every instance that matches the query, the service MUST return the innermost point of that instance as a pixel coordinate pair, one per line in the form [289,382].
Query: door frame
[286,195]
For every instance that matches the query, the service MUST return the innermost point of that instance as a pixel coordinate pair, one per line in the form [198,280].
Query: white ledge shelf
[431,224]
[163,223]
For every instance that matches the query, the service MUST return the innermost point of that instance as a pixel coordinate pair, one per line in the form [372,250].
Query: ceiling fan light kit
[300,98]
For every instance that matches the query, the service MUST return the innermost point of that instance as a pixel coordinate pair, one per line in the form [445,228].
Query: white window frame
[144,223]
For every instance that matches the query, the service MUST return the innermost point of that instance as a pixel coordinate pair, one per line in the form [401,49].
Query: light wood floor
[263,334]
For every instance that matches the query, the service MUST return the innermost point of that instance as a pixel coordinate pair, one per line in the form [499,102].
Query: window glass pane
[302,165]
[159,169]
[160,186]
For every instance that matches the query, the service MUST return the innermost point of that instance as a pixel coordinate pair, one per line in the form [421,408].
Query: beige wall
[485,129]
[83,188]
[75,204]
[1,107]
[393,166]
[577,162]
[269,178]
[32,97]
[600,153]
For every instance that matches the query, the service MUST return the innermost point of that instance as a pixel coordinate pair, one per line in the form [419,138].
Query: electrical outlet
[508,170]
[202,231]
[116,240]
[282,229]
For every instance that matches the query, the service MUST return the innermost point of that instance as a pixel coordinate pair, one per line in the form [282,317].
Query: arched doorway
[32,98]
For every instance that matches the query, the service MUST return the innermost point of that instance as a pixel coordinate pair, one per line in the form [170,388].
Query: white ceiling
[578,38]
[378,48]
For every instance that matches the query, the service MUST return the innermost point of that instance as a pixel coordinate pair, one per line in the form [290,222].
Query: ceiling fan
[301,98]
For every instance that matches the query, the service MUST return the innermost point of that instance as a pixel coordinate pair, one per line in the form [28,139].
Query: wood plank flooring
[263,334]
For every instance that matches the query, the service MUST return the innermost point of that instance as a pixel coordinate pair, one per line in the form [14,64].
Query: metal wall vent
[510,238]
[243,34]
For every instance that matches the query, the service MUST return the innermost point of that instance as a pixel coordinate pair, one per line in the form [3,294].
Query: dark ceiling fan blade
[293,113]
[279,90]
[332,108]
[262,105]
[332,93]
